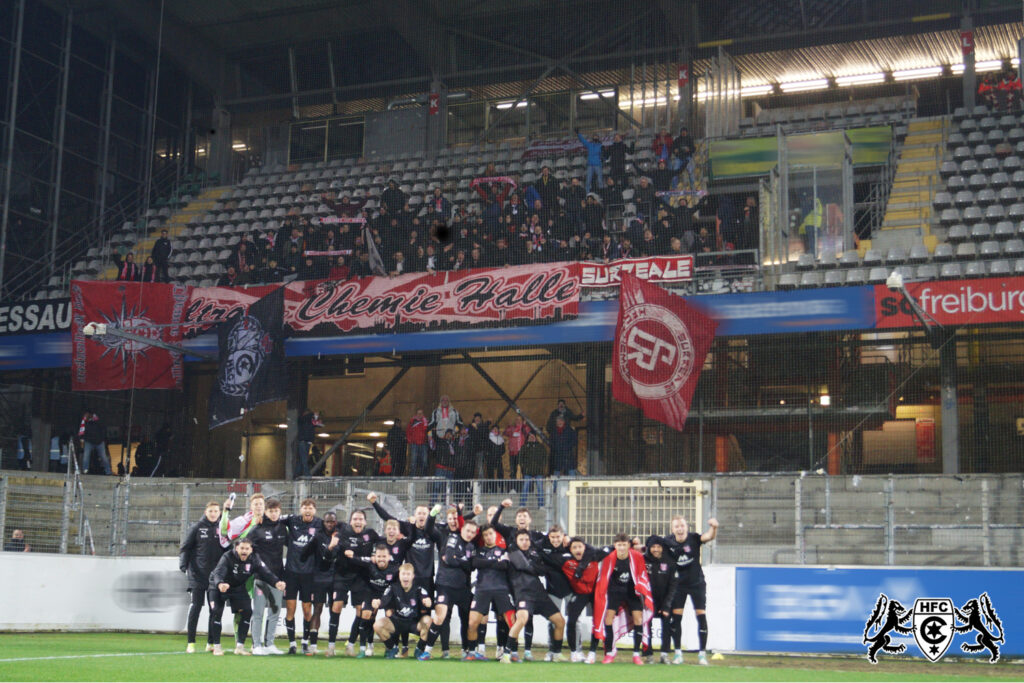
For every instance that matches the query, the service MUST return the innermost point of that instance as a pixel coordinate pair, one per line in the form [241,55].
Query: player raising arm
[684,546]
[453,587]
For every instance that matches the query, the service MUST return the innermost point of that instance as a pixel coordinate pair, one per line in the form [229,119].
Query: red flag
[109,363]
[660,346]
[684,75]
[434,103]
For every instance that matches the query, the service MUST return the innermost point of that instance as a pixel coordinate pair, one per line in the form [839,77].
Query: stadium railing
[790,518]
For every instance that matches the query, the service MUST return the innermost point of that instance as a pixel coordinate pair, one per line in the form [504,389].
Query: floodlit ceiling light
[804,86]
[755,90]
[323,435]
[594,95]
[916,74]
[380,444]
[282,426]
[375,434]
[860,79]
[989,65]
[389,423]
[825,400]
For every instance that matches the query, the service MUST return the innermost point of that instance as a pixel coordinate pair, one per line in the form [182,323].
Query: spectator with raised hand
[595,159]
[127,269]
[563,448]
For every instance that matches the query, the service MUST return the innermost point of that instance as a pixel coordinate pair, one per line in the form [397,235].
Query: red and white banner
[111,363]
[967,42]
[433,103]
[953,302]
[327,252]
[422,301]
[417,301]
[651,269]
[660,346]
[555,148]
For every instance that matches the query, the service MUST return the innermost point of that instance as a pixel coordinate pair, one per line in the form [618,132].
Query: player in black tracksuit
[531,597]
[684,546]
[299,571]
[523,521]
[581,557]
[380,573]
[454,517]
[323,575]
[404,608]
[661,570]
[453,586]
[349,584]
[227,585]
[492,587]
[197,557]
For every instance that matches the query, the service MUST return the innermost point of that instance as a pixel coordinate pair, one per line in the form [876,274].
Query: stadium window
[344,138]
[307,142]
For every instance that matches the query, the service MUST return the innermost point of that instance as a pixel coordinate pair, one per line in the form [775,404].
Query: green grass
[144,657]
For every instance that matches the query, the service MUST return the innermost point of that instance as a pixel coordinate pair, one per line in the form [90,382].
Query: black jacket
[456,565]
[558,584]
[200,552]
[95,432]
[358,543]
[269,540]
[300,535]
[525,574]
[662,573]
[616,155]
[491,566]
[161,251]
[235,572]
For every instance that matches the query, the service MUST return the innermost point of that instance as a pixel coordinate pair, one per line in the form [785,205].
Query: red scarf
[623,622]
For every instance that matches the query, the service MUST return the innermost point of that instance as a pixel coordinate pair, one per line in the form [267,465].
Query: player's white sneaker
[505,658]
[702,659]
[527,656]
[559,657]
[350,650]
[258,651]
[578,657]
[209,648]
[664,658]
[312,648]
[549,657]
[330,650]
[678,659]
[190,648]
[271,650]
[240,650]
[217,651]
[591,658]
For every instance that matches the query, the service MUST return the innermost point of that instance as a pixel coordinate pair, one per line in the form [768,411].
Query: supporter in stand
[127,269]
[662,146]
[616,155]
[595,158]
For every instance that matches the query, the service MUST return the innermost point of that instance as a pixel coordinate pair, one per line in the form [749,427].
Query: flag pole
[99,330]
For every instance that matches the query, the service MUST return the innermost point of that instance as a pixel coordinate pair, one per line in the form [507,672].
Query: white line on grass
[113,654]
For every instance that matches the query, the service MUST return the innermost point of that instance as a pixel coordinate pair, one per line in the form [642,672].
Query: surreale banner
[650,269]
[953,302]
[109,362]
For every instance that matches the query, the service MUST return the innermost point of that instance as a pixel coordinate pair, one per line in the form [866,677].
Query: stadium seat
[918,254]
[877,275]
[872,257]
[855,276]
[990,249]
[951,270]
[789,280]
[849,259]
[1004,230]
[805,262]
[896,255]
[966,250]
[1014,247]
[812,279]
[999,267]
[975,269]
[835,278]
[928,271]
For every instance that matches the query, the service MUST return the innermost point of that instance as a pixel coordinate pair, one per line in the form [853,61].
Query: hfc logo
[933,623]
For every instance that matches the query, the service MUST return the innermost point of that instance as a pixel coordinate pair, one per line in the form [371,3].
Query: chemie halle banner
[953,302]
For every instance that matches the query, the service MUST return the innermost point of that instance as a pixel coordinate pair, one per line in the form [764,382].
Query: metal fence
[765,519]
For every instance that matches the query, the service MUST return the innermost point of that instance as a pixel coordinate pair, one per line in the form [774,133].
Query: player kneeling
[404,608]
[228,586]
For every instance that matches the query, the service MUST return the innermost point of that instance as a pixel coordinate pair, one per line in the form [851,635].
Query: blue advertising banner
[810,310]
[816,609]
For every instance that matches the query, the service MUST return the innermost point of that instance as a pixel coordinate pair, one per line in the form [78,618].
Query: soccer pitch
[144,657]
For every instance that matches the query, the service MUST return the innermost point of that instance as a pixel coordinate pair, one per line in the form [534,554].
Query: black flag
[252,369]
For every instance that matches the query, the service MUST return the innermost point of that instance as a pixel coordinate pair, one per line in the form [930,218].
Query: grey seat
[877,275]
[896,255]
[789,280]
[855,276]
[949,216]
[999,180]
[928,271]
[918,254]
[849,259]
[812,279]
[943,200]
[951,270]
[985,197]
[835,278]
[995,213]
[975,269]
[990,249]
[1014,247]
[943,252]
[967,250]
[972,214]
[872,257]
[1004,230]
[958,233]
[805,262]
[999,267]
